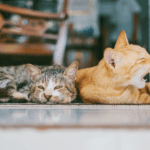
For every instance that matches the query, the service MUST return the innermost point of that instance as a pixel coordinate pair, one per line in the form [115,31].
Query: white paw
[4,100]
[18,95]
[65,100]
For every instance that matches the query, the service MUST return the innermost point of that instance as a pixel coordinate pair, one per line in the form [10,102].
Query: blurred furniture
[83,33]
[84,17]
[33,25]
[82,49]
[120,15]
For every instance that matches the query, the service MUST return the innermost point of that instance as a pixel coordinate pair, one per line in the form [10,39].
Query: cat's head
[127,63]
[53,85]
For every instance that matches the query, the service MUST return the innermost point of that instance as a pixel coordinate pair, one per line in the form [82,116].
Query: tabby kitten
[55,84]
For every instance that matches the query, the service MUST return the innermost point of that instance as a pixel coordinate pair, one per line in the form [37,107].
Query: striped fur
[55,84]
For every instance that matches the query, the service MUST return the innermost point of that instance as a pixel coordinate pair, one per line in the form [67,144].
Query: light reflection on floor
[88,116]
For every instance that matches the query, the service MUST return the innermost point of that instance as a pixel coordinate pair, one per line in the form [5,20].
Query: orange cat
[118,78]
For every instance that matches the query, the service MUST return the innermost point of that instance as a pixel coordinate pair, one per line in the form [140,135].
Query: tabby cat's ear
[122,40]
[71,71]
[112,58]
[34,71]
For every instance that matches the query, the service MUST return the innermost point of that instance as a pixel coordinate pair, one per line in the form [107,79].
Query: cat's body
[32,83]
[118,78]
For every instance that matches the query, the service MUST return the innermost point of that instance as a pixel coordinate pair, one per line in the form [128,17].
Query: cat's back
[21,70]
[19,73]
[13,70]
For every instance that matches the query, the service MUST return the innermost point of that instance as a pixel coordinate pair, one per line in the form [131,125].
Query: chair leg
[61,45]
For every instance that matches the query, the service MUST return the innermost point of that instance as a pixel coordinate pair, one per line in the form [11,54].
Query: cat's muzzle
[47,96]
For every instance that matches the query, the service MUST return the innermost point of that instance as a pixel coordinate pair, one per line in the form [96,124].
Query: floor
[74,127]
[75,139]
[75,115]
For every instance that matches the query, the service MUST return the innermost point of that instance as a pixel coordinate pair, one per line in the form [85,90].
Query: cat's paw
[65,100]
[39,101]
[54,99]
[42,101]
[4,100]
[19,96]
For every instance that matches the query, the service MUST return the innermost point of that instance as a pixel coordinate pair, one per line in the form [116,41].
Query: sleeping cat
[119,76]
[55,84]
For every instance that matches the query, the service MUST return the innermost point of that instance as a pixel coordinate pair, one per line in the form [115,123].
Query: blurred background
[47,32]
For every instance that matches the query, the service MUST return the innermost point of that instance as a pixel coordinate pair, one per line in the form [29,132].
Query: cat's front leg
[9,89]
[25,93]
[19,96]
[55,99]
[66,100]
[4,100]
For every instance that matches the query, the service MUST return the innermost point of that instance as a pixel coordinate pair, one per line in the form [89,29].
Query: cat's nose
[47,96]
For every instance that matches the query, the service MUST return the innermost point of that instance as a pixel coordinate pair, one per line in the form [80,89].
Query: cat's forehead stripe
[50,84]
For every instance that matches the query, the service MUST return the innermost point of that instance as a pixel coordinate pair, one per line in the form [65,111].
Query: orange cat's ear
[71,71]
[34,71]
[112,58]
[122,40]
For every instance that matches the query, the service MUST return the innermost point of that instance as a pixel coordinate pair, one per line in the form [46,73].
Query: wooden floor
[74,116]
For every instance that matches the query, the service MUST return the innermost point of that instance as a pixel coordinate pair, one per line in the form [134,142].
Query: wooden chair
[33,24]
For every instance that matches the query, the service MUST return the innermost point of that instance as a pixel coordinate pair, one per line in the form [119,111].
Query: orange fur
[118,78]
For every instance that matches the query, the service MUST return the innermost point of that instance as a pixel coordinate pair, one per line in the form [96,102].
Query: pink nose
[47,96]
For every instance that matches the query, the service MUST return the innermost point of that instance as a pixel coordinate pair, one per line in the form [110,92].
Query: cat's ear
[122,40]
[34,71]
[112,58]
[71,71]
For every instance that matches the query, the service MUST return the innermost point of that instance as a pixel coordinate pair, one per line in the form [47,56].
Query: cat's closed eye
[41,87]
[58,87]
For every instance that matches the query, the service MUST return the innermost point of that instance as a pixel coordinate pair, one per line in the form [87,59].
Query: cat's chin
[143,83]
[138,82]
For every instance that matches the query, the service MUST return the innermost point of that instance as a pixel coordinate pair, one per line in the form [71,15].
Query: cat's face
[53,86]
[128,63]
